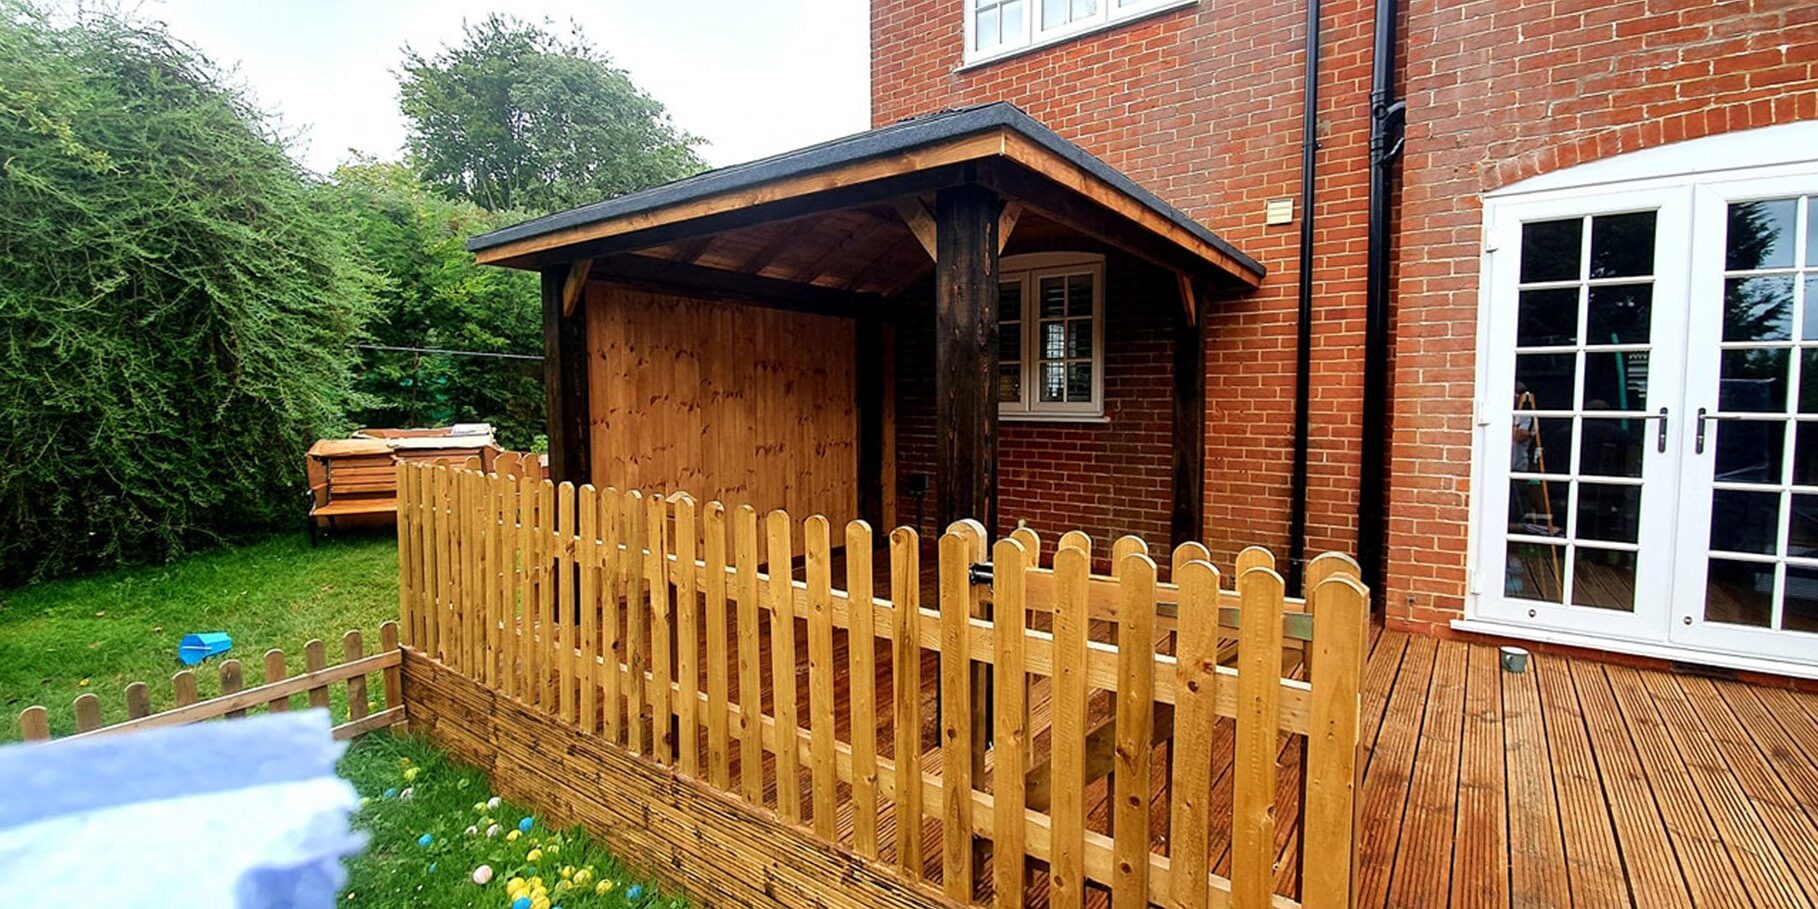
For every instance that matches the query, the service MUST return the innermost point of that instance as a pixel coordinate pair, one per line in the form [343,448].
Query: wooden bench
[350,477]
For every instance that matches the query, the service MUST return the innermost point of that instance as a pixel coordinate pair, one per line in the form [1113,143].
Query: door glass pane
[1603,578]
[1749,451]
[1760,235]
[1802,527]
[1745,521]
[1548,378]
[1608,512]
[1054,340]
[1808,380]
[1805,453]
[1758,309]
[1079,295]
[1622,246]
[1550,250]
[1541,444]
[1810,331]
[1612,447]
[1537,508]
[1619,314]
[1535,571]
[1799,610]
[1547,318]
[1616,380]
[1753,381]
[1739,593]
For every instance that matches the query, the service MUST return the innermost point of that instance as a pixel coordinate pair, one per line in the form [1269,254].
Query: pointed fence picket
[676,631]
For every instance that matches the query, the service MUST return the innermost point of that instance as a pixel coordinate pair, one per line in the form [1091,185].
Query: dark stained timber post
[565,383]
[965,391]
[1187,517]
[869,343]
[965,353]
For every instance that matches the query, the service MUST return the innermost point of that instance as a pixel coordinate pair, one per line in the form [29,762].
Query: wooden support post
[565,382]
[1187,516]
[869,368]
[965,354]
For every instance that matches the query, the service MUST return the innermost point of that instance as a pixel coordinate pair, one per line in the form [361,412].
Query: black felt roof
[884,140]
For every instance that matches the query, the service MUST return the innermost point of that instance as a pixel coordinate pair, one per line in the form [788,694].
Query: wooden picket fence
[679,623]
[236,700]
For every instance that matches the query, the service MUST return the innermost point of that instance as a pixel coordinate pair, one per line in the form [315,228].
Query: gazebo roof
[996,145]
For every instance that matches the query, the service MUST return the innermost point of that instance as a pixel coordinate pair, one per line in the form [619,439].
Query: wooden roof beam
[573,285]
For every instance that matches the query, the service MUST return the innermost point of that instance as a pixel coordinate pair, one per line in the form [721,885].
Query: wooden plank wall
[743,404]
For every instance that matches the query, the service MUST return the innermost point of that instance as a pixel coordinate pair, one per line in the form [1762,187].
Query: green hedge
[176,302]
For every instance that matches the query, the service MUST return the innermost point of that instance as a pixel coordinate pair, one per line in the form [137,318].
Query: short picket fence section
[1007,728]
[360,715]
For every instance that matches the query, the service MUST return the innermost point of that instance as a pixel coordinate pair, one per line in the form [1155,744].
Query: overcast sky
[752,78]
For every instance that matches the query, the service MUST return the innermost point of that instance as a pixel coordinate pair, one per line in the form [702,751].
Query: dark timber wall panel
[745,404]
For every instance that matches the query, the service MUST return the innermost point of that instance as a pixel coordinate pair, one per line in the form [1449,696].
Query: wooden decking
[1581,783]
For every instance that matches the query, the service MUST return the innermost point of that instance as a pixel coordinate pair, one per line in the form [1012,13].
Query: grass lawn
[98,633]
[446,801]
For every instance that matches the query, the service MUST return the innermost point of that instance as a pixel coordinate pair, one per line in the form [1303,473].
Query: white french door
[1746,578]
[1580,414]
[1647,416]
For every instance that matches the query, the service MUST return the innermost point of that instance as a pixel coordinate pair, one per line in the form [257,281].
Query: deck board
[1575,784]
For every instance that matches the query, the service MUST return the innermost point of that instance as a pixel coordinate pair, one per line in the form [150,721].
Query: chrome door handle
[1698,446]
[1660,437]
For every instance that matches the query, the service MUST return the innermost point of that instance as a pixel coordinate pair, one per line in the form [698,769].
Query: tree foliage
[519,118]
[433,295]
[176,301]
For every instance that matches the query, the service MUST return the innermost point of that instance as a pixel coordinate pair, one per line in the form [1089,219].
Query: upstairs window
[1000,28]
[1050,337]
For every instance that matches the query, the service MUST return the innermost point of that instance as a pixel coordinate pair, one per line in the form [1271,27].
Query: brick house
[1522,308]
[1704,114]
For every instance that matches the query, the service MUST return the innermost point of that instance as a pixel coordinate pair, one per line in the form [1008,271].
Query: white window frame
[1110,14]
[1029,270]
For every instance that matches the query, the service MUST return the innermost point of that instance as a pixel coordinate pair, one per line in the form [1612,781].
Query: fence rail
[236,700]
[683,634]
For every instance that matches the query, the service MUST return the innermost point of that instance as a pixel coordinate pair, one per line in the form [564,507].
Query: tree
[176,301]
[433,295]
[518,118]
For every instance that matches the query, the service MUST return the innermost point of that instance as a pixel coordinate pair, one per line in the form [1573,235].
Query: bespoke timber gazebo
[825,330]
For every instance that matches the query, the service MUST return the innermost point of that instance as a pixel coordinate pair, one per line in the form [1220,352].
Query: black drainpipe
[1303,346]
[1386,118]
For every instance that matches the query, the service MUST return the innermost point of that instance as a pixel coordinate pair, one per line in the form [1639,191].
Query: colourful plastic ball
[492,830]
[635,891]
[482,875]
[522,902]
[425,840]
[493,803]
[392,792]
[526,824]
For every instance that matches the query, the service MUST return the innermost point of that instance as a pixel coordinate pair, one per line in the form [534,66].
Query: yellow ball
[602,887]
[582,876]
[410,774]
[535,854]
[555,849]
[512,835]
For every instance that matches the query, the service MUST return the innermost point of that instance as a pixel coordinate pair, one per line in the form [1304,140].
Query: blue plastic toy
[194,648]
[635,892]
[525,825]
[391,793]
[522,902]
[425,840]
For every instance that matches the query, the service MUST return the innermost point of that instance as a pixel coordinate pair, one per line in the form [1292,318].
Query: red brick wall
[1107,479]
[1201,105]
[1501,91]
